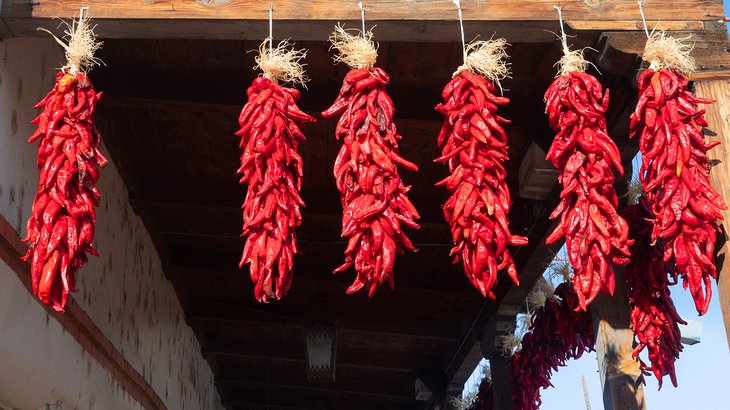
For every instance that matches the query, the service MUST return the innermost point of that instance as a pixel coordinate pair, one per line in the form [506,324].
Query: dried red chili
[596,237]
[675,174]
[484,399]
[374,200]
[560,331]
[60,230]
[474,145]
[654,318]
[272,167]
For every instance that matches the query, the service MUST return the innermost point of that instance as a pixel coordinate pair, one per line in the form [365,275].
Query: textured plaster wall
[124,291]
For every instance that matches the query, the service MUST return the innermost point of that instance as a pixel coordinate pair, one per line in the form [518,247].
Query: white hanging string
[563,37]
[362,15]
[461,25]
[271,27]
[643,18]
[81,13]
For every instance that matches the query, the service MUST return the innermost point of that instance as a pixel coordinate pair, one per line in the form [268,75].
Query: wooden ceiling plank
[311,280]
[394,326]
[291,351]
[343,388]
[247,398]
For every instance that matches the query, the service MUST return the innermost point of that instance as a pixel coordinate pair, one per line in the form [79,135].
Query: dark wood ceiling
[168,117]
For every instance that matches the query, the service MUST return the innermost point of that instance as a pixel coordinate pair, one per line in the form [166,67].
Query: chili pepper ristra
[60,230]
[560,331]
[375,205]
[596,236]
[474,145]
[675,166]
[654,319]
[272,168]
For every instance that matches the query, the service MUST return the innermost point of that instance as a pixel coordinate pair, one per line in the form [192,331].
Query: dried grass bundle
[663,51]
[510,344]
[79,44]
[634,191]
[282,64]
[356,50]
[488,59]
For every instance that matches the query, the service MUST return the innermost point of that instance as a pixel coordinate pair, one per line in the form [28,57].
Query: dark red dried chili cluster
[560,331]
[654,319]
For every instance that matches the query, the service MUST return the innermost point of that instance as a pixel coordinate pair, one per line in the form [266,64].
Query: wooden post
[501,386]
[620,373]
[718,118]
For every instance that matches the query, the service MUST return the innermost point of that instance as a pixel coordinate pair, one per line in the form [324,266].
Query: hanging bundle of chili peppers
[474,145]
[560,331]
[654,318]
[374,200]
[272,168]
[675,167]
[484,399]
[596,236]
[60,230]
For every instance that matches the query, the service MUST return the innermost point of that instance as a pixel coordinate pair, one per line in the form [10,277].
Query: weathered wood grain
[718,117]
[376,10]
[620,374]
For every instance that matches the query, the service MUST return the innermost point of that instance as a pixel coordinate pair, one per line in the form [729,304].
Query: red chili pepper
[674,173]
[473,144]
[271,166]
[60,228]
[654,318]
[559,332]
[584,154]
[373,196]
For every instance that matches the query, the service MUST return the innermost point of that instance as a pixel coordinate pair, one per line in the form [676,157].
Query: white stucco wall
[124,291]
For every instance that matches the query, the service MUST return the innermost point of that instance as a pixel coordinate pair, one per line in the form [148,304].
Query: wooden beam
[377,10]
[718,117]
[402,20]
[621,377]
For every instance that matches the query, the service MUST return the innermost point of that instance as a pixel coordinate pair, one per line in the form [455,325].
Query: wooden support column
[620,373]
[718,117]
[501,386]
